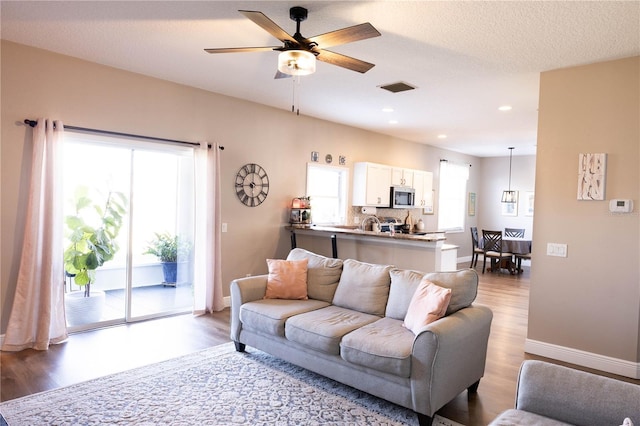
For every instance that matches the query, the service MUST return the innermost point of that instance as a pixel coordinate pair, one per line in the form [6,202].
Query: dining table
[514,246]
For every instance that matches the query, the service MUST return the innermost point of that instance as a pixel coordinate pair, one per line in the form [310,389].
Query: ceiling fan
[298,54]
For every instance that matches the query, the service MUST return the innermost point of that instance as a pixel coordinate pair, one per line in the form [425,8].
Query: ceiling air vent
[397,87]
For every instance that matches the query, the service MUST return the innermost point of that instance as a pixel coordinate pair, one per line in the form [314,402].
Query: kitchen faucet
[363,225]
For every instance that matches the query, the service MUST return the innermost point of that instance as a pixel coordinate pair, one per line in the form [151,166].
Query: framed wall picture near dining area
[528,203]
[510,209]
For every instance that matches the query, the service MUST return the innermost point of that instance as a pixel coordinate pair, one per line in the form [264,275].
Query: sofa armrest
[449,356]
[244,290]
[574,396]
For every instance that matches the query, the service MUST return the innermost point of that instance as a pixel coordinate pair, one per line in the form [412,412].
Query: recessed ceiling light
[505,108]
[442,136]
[393,121]
[387,109]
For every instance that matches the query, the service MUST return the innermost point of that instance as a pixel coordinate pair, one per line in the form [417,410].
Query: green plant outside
[92,244]
[167,247]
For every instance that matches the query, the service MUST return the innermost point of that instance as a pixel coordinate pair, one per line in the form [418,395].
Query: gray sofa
[350,330]
[551,395]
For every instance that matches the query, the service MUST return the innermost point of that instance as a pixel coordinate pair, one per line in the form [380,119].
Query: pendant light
[509,196]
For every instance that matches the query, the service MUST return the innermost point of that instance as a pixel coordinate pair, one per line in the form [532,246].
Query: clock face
[252,185]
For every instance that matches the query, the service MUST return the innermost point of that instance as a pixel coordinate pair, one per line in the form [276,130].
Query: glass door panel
[162,232]
[96,212]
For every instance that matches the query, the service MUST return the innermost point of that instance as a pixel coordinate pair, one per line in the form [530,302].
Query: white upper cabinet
[371,184]
[402,177]
[423,184]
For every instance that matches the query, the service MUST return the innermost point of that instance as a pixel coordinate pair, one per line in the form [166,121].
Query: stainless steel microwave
[402,197]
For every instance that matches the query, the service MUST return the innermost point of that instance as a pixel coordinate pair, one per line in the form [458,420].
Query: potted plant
[92,233]
[168,249]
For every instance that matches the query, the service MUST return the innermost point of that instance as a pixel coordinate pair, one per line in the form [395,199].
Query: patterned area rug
[217,386]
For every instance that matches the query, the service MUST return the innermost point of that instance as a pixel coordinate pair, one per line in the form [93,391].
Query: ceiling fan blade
[241,49]
[343,61]
[345,35]
[280,75]
[268,25]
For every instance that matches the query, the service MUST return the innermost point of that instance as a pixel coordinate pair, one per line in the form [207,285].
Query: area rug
[216,386]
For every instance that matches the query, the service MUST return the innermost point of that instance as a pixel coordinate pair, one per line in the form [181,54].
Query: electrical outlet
[356,219]
[224,227]
[556,249]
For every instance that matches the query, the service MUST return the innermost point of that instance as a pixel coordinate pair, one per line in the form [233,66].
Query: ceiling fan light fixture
[297,62]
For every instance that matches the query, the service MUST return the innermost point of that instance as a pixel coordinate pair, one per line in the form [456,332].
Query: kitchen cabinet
[371,184]
[423,185]
[402,177]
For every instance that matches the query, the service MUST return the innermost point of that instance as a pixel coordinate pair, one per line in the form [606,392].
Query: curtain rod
[444,160]
[32,123]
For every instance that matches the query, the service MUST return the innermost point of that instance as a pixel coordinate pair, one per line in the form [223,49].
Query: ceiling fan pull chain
[295,95]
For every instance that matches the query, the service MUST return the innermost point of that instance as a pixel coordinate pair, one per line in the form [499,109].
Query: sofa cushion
[463,285]
[323,329]
[363,287]
[269,315]
[404,283]
[524,418]
[428,304]
[384,345]
[323,273]
[287,279]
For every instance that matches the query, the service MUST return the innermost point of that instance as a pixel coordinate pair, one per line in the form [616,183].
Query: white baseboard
[227,301]
[584,359]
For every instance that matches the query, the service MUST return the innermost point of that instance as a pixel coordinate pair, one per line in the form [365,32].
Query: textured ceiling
[465,58]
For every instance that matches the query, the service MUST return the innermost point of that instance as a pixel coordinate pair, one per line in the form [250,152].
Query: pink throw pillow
[429,303]
[287,279]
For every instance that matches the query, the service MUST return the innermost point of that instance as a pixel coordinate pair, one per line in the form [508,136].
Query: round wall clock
[252,185]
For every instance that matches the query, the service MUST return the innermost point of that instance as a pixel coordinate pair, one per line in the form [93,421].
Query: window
[452,197]
[327,187]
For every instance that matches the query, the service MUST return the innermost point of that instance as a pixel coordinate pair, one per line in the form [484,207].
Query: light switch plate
[556,249]
[224,227]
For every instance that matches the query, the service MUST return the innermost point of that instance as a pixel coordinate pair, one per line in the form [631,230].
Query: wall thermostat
[621,206]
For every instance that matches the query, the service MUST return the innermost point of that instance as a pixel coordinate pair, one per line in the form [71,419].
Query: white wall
[493,180]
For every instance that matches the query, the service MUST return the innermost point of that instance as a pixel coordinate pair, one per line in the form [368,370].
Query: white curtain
[37,316]
[208,265]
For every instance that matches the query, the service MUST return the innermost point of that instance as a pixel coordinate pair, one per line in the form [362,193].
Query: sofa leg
[424,420]
[474,387]
[239,346]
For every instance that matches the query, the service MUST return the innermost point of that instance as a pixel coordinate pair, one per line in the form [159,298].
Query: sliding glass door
[128,230]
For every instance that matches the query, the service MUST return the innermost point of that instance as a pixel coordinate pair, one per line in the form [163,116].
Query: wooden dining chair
[519,258]
[493,250]
[477,251]
[514,232]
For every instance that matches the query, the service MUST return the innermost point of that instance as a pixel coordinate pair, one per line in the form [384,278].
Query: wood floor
[97,353]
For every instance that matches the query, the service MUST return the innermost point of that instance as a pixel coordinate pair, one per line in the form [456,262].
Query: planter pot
[170,271]
[82,310]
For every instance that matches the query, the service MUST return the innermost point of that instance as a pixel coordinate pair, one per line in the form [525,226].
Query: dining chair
[477,251]
[514,232]
[493,250]
[519,258]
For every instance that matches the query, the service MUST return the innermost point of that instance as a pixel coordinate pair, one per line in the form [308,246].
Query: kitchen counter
[355,230]
[423,252]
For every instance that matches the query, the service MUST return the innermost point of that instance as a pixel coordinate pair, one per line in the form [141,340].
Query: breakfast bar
[424,251]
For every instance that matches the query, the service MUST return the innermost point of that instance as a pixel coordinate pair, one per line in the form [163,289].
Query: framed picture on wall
[528,203]
[592,173]
[472,204]
[510,209]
